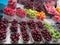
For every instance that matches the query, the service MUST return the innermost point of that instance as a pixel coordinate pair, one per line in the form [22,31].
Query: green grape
[47,25]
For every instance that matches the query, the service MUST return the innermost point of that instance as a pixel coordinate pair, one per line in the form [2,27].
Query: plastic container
[20,15]
[9,14]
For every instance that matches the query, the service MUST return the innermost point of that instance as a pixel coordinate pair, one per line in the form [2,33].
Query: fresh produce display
[40,15]
[36,34]
[48,26]
[31,24]
[12,4]
[55,34]
[21,13]
[31,13]
[46,35]
[9,11]
[14,37]
[40,25]
[51,9]
[28,23]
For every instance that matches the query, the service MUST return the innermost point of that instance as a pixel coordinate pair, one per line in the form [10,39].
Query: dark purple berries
[36,34]
[46,35]
[14,37]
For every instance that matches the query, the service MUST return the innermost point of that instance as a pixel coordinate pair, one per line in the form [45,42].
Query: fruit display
[9,11]
[55,34]
[36,34]
[40,15]
[40,25]
[31,24]
[31,13]
[46,35]
[12,4]
[21,13]
[51,9]
[47,25]
[14,37]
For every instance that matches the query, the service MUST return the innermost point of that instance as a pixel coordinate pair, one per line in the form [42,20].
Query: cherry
[31,24]
[14,36]
[46,35]
[14,22]
[25,35]
[36,34]
[13,28]
[39,24]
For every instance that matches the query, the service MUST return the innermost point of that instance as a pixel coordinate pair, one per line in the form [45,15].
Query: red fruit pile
[56,18]
[21,13]
[14,27]
[23,23]
[39,24]
[23,26]
[23,29]
[25,35]
[46,35]
[11,4]
[3,23]
[36,34]
[14,22]
[9,11]
[31,24]
[14,37]
[2,34]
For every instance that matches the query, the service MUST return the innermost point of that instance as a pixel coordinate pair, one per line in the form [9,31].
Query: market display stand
[8,40]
